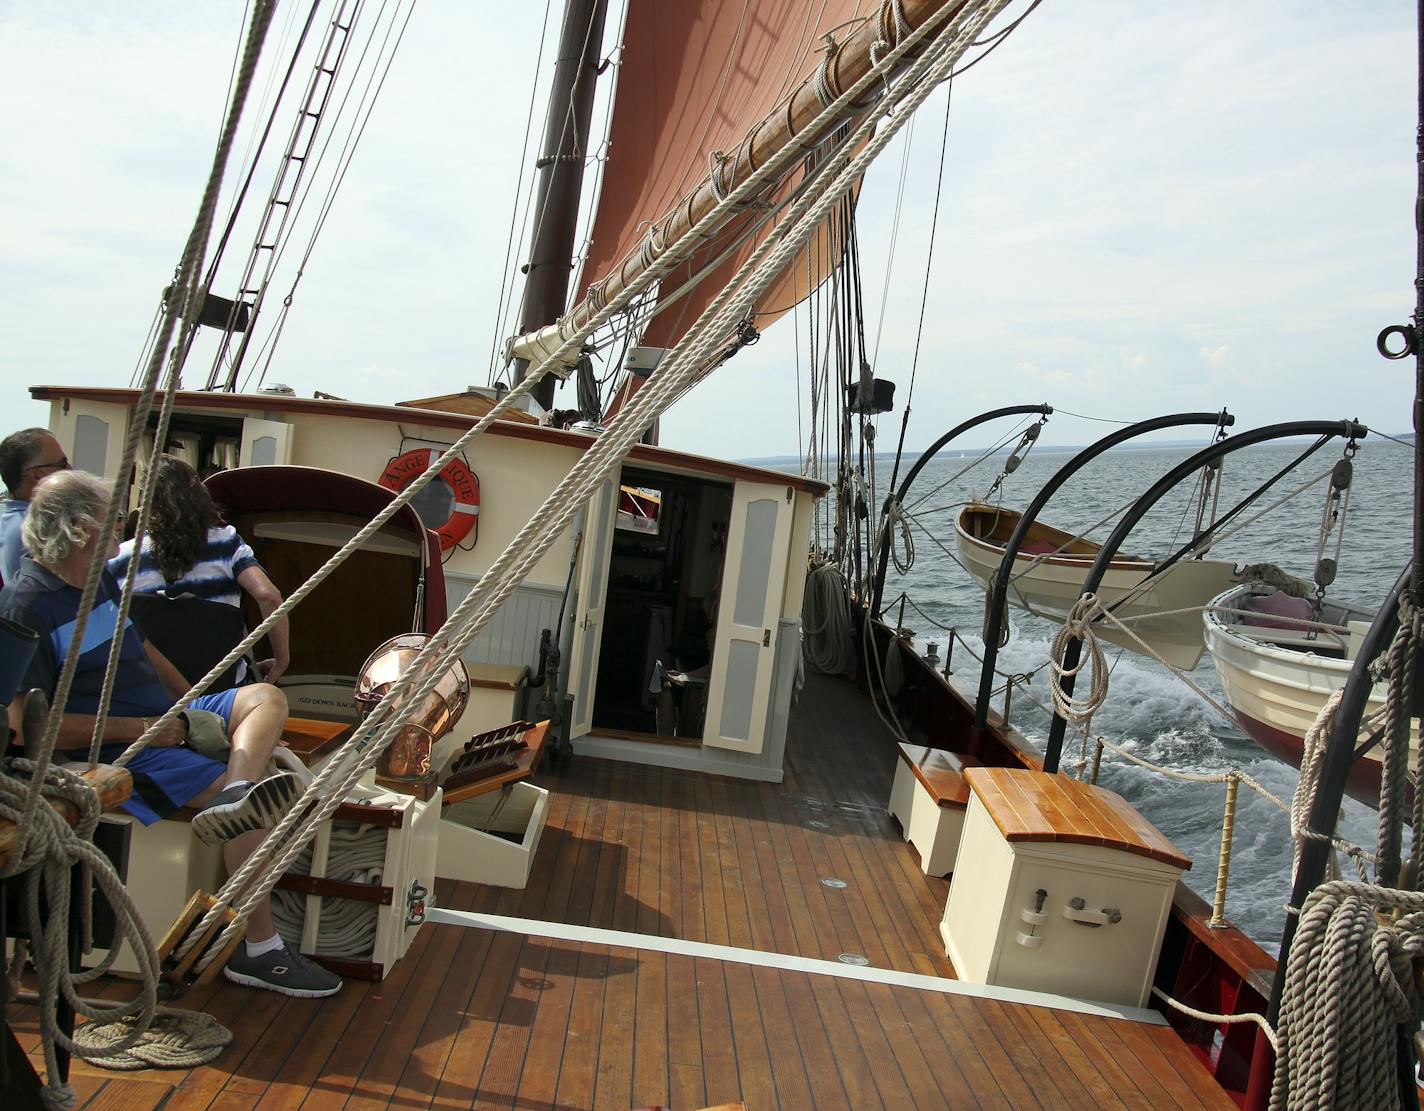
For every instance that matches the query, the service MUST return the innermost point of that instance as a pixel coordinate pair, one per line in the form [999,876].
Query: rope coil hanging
[1350,988]
[1079,710]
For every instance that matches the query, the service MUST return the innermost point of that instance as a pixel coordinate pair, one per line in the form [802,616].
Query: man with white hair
[61,533]
[26,457]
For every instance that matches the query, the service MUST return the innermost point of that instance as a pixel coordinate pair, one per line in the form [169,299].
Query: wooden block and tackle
[494,759]
[178,974]
[113,786]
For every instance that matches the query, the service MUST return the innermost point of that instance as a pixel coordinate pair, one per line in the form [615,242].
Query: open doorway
[664,575]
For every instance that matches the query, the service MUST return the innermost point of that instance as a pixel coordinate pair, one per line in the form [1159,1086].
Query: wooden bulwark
[473,1017]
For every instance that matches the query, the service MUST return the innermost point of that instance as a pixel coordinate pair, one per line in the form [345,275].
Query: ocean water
[1149,711]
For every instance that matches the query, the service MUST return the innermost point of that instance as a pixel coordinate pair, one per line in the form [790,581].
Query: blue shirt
[44,602]
[213,578]
[12,548]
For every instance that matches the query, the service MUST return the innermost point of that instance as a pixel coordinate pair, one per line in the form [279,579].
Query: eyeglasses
[60,464]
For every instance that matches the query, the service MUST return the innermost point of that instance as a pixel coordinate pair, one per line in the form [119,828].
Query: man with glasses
[26,458]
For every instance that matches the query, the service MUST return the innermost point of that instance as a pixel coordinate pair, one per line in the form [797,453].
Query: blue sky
[1146,208]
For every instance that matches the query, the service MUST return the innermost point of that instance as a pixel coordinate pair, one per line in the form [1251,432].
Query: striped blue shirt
[213,578]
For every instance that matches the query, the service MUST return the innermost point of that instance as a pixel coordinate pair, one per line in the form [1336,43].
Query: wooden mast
[561,164]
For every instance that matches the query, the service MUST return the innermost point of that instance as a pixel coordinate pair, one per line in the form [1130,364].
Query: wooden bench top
[502,677]
[1038,806]
[311,738]
[940,772]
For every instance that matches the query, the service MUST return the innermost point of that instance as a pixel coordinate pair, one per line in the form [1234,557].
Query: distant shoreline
[779,461]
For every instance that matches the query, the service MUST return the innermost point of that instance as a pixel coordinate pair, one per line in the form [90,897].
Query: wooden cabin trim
[658,457]
[1037,806]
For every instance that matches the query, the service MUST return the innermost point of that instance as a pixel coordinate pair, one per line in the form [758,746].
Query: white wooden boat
[1050,568]
[1276,679]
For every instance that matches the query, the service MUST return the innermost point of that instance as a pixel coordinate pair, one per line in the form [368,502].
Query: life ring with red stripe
[464,516]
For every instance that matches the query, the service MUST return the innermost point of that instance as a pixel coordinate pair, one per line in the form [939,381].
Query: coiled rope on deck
[48,857]
[825,608]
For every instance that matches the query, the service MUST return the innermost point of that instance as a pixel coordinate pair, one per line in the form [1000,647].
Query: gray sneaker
[242,808]
[284,970]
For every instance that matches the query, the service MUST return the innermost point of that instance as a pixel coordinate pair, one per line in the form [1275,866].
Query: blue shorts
[165,779]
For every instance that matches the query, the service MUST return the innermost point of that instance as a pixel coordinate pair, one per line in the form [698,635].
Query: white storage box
[492,838]
[360,923]
[1058,887]
[166,865]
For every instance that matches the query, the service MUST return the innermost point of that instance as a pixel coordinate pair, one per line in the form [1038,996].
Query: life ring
[464,517]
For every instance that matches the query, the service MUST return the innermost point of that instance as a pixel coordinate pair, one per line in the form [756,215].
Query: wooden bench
[929,798]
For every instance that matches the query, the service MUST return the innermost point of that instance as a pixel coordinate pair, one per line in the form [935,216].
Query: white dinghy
[1277,673]
[1050,568]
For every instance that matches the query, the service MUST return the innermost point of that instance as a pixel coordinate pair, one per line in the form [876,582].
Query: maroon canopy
[259,489]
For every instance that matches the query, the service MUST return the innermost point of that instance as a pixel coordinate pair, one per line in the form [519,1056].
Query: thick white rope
[1221,1020]
[1312,761]
[1350,985]
[1078,709]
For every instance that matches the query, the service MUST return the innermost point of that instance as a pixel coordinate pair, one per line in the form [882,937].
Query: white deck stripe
[590,935]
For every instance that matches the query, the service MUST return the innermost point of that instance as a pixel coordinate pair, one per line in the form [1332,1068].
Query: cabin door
[592,600]
[744,650]
[265,443]
[92,434]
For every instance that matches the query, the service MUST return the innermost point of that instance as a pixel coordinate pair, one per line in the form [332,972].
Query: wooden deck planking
[479,1018]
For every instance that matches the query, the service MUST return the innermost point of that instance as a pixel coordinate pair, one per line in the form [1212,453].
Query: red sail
[695,80]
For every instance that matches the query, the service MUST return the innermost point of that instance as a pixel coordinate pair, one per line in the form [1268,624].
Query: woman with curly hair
[190,550]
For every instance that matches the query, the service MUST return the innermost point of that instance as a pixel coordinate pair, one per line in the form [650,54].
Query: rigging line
[894,238]
[1395,439]
[147,344]
[994,41]
[925,292]
[306,175]
[364,103]
[1208,537]
[264,105]
[1272,507]
[247,180]
[594,199]
[1011,434]
[344,160]
[1084,416]
[507,278]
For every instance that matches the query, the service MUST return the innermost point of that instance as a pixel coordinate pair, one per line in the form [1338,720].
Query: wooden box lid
[1030,805]
[940,772]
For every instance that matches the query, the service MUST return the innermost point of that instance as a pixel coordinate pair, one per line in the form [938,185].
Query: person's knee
[259,696]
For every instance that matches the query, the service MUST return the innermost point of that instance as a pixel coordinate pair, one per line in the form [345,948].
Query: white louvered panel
[512,636]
